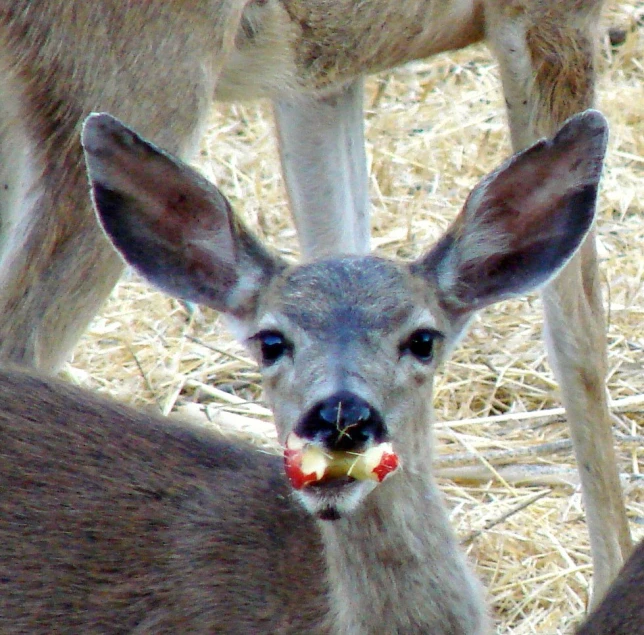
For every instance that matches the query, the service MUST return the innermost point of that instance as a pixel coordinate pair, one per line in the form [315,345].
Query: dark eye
[273,346]
[421,344]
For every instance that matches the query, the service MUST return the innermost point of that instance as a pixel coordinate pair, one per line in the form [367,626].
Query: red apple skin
[388,463]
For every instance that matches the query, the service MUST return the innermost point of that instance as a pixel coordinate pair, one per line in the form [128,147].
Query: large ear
[522,223]
[172,225]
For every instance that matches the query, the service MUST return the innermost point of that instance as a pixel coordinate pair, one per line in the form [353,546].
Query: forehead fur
[347,294]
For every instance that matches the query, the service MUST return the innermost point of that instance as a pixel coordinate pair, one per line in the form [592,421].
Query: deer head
[348,347]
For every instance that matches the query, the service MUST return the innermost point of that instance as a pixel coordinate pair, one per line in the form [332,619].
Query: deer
[159,66]
[119,521]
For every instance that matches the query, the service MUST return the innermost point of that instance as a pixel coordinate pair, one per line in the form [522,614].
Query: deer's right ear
[172,225]
[522,223]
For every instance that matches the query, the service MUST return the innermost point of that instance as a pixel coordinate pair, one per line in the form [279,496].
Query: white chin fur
[342,502]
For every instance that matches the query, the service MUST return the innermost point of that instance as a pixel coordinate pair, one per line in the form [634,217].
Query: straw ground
[433,130]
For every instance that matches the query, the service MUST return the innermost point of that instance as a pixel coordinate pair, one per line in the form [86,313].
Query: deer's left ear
[522,223]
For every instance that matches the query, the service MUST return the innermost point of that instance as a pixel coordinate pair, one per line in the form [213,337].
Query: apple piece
[378,462]
[306,463]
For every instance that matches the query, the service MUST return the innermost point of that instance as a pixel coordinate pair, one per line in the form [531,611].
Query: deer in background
[118,522]
[158,66]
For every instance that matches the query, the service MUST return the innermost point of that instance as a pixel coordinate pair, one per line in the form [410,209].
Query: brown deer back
[124,522]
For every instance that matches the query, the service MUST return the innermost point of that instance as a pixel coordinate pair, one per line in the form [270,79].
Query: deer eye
[421,344]
[273,346]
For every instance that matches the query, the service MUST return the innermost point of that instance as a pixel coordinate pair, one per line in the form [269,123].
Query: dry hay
[433,130]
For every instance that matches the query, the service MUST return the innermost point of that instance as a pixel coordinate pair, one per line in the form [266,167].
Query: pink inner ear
[527,196]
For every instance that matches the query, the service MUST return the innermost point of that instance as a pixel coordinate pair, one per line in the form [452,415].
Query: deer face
[347,350]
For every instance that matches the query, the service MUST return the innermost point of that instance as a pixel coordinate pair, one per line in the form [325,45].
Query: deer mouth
[331,482]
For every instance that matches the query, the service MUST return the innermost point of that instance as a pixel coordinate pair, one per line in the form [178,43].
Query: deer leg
[576,340]
[54,276]
[547,67]
[324,163]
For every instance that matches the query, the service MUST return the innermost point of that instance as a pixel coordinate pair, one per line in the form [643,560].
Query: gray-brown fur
[114,521]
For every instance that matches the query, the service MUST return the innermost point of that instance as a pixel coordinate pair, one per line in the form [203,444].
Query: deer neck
[395,566]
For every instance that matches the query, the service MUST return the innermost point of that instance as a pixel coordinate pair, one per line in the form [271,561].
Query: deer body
[158,66]
[325,46]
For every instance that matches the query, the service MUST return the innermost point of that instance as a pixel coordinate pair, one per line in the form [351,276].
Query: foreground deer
[157,65]
[113,521]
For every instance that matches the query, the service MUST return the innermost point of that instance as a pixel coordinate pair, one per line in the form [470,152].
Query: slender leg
[546,56]
[578,357]
[325,168]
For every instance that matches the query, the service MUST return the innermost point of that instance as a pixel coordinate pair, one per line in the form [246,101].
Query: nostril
[343,421]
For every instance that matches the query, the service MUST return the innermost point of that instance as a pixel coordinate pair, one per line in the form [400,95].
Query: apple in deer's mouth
[331,483]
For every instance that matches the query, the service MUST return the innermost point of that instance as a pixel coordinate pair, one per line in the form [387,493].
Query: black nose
[343,421]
